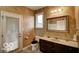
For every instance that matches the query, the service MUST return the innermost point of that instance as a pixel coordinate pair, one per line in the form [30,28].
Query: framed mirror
[58,24]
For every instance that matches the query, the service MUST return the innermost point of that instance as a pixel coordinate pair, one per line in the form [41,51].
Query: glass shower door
[11,32]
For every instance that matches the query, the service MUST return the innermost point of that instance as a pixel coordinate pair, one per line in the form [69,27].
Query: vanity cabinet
[51,47]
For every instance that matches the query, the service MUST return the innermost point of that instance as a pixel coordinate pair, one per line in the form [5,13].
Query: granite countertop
[59,41]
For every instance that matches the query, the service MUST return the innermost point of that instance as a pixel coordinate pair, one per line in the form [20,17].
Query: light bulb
[55,10]
[60,10]
[52,11]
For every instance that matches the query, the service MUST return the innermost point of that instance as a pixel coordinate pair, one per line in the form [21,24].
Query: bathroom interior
[39,29]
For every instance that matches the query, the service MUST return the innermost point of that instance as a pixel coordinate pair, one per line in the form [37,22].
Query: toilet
[34,45]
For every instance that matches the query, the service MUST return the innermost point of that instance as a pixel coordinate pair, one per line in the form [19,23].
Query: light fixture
[57,11]
[60,10]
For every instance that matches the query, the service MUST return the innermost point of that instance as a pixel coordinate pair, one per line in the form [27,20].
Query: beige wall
[28,20]
[77,21]
[77,18]
[70,11]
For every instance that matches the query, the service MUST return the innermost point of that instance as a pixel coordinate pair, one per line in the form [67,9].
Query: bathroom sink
[60,41]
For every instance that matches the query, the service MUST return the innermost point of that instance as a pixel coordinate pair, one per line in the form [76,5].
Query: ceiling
[35,7]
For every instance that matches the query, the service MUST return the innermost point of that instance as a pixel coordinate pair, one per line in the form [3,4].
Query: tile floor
[29,50]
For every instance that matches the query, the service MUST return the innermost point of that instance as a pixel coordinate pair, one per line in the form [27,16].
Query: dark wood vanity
[51,47]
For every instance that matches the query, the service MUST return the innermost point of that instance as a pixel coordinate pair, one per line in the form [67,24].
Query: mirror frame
[58,18]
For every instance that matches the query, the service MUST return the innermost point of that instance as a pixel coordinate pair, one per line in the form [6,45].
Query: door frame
[0,33]
[15,15]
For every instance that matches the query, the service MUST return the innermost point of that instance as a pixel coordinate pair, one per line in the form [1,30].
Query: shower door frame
[20,35]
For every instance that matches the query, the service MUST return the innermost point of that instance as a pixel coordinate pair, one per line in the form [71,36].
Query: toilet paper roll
[5,45]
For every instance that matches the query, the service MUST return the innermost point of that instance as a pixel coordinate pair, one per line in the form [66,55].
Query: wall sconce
[57,11]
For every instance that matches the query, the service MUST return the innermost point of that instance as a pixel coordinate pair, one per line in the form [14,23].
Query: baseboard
[26,47]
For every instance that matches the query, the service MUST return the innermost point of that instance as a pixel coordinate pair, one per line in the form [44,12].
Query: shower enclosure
[10,31]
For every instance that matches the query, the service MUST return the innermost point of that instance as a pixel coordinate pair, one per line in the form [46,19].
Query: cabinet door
[50,47]
[46,46]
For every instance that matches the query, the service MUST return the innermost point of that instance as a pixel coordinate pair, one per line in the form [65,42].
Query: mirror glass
[59,23]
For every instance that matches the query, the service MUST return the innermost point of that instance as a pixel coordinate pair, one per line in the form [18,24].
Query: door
[12,31]
[0,33]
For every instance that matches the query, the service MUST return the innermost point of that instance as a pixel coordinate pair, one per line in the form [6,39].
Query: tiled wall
[70,11]
[28,21]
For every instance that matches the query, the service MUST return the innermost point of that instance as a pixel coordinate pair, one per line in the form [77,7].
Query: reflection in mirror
[57,23]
